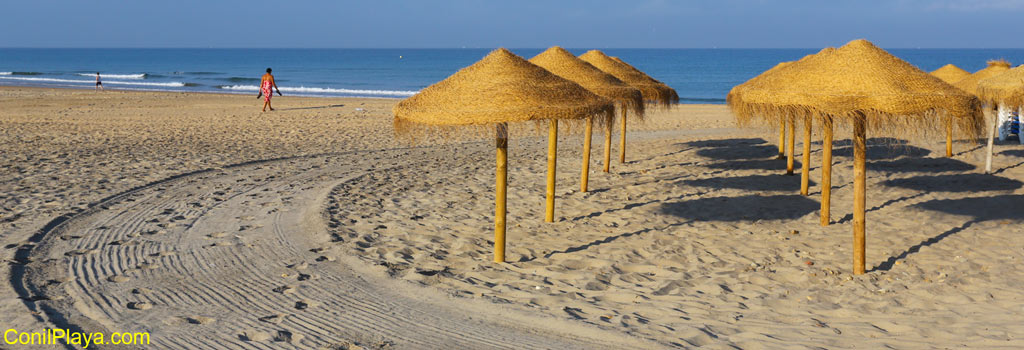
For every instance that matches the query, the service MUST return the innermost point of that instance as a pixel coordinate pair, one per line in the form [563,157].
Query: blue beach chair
[1010,126]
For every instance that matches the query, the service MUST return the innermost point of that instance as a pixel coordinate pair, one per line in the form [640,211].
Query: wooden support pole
[791,122]
[949,136]
[805,168]
[500,184]
[585,176]
[782,139]
[549,212]
[608,144]
[826,172]
[859,186]
[991,135]
[622,138]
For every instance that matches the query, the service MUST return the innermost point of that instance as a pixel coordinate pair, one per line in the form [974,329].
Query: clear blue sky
[512,23]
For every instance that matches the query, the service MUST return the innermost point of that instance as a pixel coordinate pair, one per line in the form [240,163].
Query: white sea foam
[115,82]
[317,90]
[6,73]
[115,76]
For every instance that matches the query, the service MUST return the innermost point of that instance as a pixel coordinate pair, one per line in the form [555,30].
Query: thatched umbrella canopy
[1005,90]
[499,89]
[735,92]
[789,152]
[564,64]
[950,73]
[653,91]
[866,86]
[970,84]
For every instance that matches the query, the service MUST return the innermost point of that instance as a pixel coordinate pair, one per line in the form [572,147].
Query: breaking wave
[324,91]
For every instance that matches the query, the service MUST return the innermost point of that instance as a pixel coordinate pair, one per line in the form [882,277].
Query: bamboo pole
[608,145]
[826,172]
[782,139]
[584,177]
[789,146]
[988,150]
[949,136]
[549,212]
[859,150]
[500,185]
[805,168]
[622,138]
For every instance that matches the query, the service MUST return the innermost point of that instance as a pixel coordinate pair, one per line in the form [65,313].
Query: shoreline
[226,93]
[5,86]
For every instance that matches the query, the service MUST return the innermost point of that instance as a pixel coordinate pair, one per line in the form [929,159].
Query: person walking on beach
[99,84]
[265,84]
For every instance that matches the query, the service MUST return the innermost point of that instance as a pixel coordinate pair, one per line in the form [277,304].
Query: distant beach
[699,75]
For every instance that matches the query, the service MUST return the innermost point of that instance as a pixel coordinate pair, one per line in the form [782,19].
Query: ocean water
[698,75]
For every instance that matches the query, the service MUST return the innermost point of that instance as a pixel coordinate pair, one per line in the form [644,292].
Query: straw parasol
[865,86]
[970,84]
[673,96]
[950,74]
[782,125]
[562,63]
[1007,91]
[653,91]
[789,150]
[499,89]
[1006,88]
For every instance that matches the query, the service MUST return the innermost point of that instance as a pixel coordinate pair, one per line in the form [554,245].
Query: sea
[698,75]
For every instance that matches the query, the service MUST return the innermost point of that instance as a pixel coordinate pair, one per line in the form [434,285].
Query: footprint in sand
[285,289]
[142,290]
[200,320]
[218,235]
[274,319]
[140,305]
[254,335]
[304,304]
[288,336]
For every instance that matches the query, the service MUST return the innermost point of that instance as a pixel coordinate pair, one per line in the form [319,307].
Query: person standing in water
[99,84]
[265,84]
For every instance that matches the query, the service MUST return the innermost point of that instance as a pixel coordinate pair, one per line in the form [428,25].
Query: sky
[512,23]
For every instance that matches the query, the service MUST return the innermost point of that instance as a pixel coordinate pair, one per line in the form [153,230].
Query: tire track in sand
[237,258]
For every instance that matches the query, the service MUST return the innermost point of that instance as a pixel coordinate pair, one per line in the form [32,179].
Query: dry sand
[209,224]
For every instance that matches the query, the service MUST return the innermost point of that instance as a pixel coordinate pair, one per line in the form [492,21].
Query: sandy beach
[208,224]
